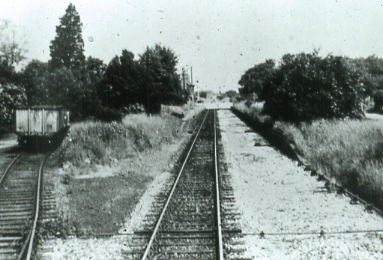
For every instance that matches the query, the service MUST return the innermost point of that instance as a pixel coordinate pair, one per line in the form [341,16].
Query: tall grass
[101,143]
[350,151]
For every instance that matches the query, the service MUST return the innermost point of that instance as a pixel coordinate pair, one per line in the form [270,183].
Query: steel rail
[156,228]
[217,196]
[346,232]
[8,168]
[28,245]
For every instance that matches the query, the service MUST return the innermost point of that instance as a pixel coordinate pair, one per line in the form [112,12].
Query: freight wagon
[40,124]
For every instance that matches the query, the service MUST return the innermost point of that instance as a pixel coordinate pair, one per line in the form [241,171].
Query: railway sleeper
[11,252]
[13,200]
[9,238]
[185,249]
[15,209]
[16,214]
[15,194]
[189,255]
[9,245]
[186,244]
[15,218]
[15,203]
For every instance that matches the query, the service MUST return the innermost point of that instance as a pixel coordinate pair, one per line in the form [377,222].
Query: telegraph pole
[183,78]
[191,75]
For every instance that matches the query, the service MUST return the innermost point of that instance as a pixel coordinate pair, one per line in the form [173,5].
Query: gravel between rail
[278,198]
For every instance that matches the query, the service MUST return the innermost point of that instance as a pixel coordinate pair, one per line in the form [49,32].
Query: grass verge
[106,167]
[348,151]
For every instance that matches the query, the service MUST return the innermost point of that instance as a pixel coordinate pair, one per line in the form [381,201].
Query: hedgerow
[306,87]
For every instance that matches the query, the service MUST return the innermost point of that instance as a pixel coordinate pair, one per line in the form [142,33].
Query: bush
[378,100]
[108,114]
[153,104]
[11,96]
[203,94]
[306,87]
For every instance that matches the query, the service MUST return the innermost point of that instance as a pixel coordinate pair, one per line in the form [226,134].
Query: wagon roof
[46,107]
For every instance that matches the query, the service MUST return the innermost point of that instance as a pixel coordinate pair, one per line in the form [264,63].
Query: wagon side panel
[22,125]
[36,122]
[51,121]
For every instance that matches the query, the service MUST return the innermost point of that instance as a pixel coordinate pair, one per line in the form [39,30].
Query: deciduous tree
[254,79]
[32,75]
[162,83]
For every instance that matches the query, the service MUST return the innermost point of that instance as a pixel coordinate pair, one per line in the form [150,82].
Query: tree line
[306,86]
[86,85]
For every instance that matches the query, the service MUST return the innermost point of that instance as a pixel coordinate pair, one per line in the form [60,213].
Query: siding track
[20,198]
[193,217]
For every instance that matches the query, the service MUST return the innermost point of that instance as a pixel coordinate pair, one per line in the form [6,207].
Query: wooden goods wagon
[40,123]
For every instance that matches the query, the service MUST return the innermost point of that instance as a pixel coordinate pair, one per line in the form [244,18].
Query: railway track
[194,216]
[20,203]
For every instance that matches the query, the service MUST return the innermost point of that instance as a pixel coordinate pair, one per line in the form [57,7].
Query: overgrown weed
[349,150]
[102,143]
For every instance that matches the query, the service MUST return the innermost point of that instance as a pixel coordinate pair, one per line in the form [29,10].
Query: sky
[219,39]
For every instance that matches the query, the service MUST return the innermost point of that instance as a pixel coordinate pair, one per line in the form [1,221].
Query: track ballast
[194,216]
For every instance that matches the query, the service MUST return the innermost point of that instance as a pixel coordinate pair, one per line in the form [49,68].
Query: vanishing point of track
[193,218]
[20,199]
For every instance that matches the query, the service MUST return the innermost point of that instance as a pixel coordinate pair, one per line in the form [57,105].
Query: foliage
[371,71]
[162,83]
[255,79]
[72,88]
[306,87]
[37,93]
[231,94]
[11,96]
[91,75]
[67,49]
[11,52]
[203,94]
[121,85]
[88,87]
[63,88]
[11,92]
[378,100]
[151,81]
[8,74]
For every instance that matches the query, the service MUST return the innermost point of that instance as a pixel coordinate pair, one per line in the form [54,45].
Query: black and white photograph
[191,130]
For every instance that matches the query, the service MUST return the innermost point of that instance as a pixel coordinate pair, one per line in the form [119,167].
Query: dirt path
[278,198]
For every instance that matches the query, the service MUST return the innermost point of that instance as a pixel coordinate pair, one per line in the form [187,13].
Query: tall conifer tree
[67,49]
